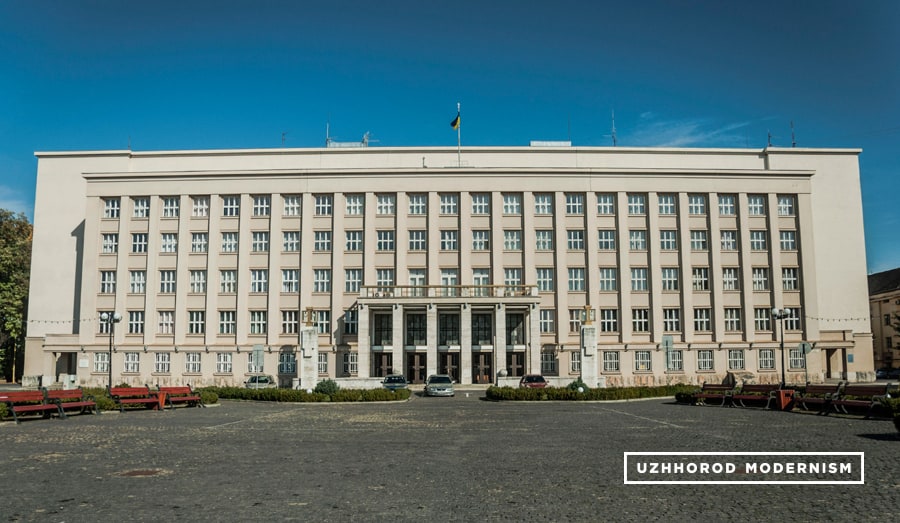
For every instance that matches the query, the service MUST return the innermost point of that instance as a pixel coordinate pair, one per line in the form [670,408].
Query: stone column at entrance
[500,342]
[589,364]
[308,359]
[397,341]
[534,341]
[465,344]
[432,338]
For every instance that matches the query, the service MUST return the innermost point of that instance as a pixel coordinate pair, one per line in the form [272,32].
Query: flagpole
[458,139]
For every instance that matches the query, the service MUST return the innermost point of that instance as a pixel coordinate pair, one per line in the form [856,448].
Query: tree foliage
[15,266]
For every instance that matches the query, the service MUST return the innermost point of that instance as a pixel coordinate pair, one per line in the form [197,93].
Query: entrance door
[416,367]
[448,363]
[384,364]
[481,367]
[515,363]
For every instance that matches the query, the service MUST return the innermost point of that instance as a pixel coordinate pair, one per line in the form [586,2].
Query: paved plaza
[427,459]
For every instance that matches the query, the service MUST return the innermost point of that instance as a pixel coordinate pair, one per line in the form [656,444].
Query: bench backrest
[865,390]
[822,389]
[63,394]
[176,390]
[130,392]
[716,386]
[769,387]
[23,396]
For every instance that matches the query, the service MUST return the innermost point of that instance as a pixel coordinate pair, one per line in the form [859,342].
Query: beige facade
[410,261]
[884,305]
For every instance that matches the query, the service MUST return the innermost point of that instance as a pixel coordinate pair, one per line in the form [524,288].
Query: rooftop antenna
[769,138]
[614,127]
[793,140]
[283,135]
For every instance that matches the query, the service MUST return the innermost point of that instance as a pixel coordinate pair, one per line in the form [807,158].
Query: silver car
[439,385]
[261,381]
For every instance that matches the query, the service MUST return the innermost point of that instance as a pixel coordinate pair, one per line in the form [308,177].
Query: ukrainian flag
[455,123]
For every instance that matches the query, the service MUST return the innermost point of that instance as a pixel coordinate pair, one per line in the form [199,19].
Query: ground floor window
[223,363]
[448,329]
[350,360]
[610,361]
[767,359]
[132,362]
[383,330]
[323,363]
[101,362]
[287,363]
[642,361]
[482,329]
[192,363]
[736,359]
[675,360]
[548,363]
[416,329]
[705,360]
[575,361]
[163,363]
[797,361]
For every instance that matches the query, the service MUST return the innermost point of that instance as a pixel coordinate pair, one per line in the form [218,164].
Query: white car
[261,381]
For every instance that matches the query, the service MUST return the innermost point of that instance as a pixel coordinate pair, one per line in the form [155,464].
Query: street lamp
[780,315]
[110,320]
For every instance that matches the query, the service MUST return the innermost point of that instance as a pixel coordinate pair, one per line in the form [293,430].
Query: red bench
[27,402]
[71,399]
[134,396]
[820,395]
[859,396]
[181,395]
[714,391]
[756,393]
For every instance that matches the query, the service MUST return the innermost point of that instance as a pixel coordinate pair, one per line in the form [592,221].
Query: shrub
[292,395]
[571,393]
[3,411]
[575,385]
[208,397]
[329,387]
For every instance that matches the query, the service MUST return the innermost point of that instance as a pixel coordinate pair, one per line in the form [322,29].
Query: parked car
[394,382]
[883,374]
[261,381]
[439,385]
[532,381]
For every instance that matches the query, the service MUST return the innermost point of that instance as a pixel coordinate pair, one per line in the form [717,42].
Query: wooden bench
[756,393]
[713,391]
[134,396]
[820,395]
[181,395]
[859,396]
[28,401]
[71,399]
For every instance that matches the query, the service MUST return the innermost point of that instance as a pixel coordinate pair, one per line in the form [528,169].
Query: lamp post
[110,320]
[780,315]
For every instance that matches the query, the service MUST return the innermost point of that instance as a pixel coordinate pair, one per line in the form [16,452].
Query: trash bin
[162,400]
[786,399]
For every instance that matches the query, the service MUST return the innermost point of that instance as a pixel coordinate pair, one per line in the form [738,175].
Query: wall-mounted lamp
[499,306]
[270,349]
[145,348]
[206,348]
[238,349]
[465,306]
[176,349]
[82,348]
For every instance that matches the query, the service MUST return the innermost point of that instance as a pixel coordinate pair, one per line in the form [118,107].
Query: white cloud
[697,132]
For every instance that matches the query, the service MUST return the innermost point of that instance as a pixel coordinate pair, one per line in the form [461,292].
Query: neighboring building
[413,261]
[884,304]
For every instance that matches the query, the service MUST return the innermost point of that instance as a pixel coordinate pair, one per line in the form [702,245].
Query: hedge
[301,396]
[572,394]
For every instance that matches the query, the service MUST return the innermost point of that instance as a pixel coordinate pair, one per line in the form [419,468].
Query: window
[290,241]
[638,278]
[545,279]
[351,322]
[666,204]
[227,322]
[449,203]
[609,320]
[575,320]
[350,363]
[642,361]
[260,241]
[726,205]
[790,278]
[169,243]
[767,359]
[138,282]
[735,359]
[758,240]
[139,242]
[355,204]
[287,363]
[732,319]
[762,319]
[324,204]
[166,323]
[792,321]
[384,277]
[637,240]
[135,322]
[702,321]
[607,240]
[416,329]
[543,203]
[576,279]
[291,205]
[606,203]
[640,320]
[548,363]
[512,203]
[289,321]
[192,363]
[418,204]
[259,280]
[699,240]
[322,241]
[323,321]
[675,360]
[199,242]
[670,278]
[228,281]
[449,280]
[448,329]
[700,278]
[290,280]
[575,362]
[671,320]
[729,240]
[322,280]
[705,360]
[200,206]
[110,244]
[132,362]
[417,280]
[170,206]
[352,280]
[167,282]
[231,205]
[760,278]
[229,242]
[788,240]
[449,240]
[575,240]
[259,322]
[609,279]
[756,205]
[637,204]
[110,207]
[107,282]
[786,205]
[141,208]
[610,361]
[512,240]
[262,205]
[223,362]
[544,239]
[548,321]
[198,281]
[481,240]
[385,240]
[196,322]
[481,203]
[574,203]
[697,204]
[417,240]
[730,279]
[668,240]
[385,204]
[101,362]
[322,363]
[162,362]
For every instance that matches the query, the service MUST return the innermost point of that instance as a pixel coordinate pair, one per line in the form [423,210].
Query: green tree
[15,266]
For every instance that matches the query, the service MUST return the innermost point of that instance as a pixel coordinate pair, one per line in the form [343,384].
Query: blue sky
[225,74]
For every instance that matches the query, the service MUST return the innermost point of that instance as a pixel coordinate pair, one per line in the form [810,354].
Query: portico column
[432,340]
[397,341]
[465,344]
[500,341]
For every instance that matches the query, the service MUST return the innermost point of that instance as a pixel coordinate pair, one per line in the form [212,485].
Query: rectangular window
[512,240]
[228,281]
[609,279]
[384,241]
[418,204]
[324,204]
[170,206]
[668,240]
[697,204]
[449,204]
[138,280]
[449,280]
[609,320]
[198,281]
[700,278]
[758,241]
[756,205]
[291,204]
[637,240]
[767,359]
[196,322]
[231,205]
[512,203]
[223,362]
[606,203]
[666,204]
[610,361]
[110,244]
[575,320]
[670,279]
[702,322]
[351,322]
[290,241]
[418,240]
[107,282]
[544,239]
[167,282]
[199,242]
[480,277]
[322,363]
[576,279]
[385,204]
[110,207]
[637,204]
[792,321]
[642,361]
[227,322]
[548,363]
[481,203]
[166,323]
[638,278]
[760,278]
[262,205]
[672,320]
[323,321]
[481,240]
[726,205]
[139,242]
[730,280]
[101,362]
[790,278]
[796,359]
[260,241]
[449,240]
[290,319]
[786,205]
[259,322]
[675,360]
[141,208]
[287,363]
[259,280]
[640,320]
[575,362]
[162,363]
[705,360]
[200,206]
[418,281]
[607,240]
[545,279]
[788,240]
[762,319]
[732,319]
[699,240]
[384,278]
[575,240]
[350,363]
[543,203]
[132,362]
[352,280]
[729,240]
[169,243]
[135,322]
[290,281]
[574,203]
[322,280]
[735,359]
[548,321]
[229,242]
[355,204]
[322,241]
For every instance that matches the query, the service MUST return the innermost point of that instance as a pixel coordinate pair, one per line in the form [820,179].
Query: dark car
[394,382]
[887,373]
[532,381]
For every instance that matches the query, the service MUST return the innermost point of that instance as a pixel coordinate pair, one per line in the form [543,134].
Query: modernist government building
[485,265]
